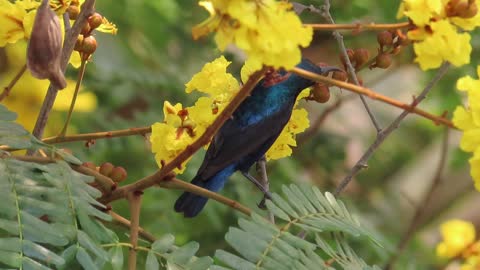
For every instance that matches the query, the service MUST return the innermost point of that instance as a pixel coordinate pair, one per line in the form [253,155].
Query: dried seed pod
[340,75]
[320,93]
[73,12]
[361,56]
[106,168]
[383,60]
[118,174]
[385,38]
[45,47]
[95,20]
[89,45]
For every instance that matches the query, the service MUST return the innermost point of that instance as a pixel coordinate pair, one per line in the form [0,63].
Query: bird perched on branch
[248,134]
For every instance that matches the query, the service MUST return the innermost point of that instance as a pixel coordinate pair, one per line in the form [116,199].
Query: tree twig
[118,219]
[68,45]
[420,210]
[351,70]
[81,73]
[362,162]
[135,203]
[373,95]
[261,168]
[8,88]
[99,135]
[359,26]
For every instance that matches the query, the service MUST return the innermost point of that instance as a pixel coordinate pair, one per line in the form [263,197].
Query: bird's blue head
[297,83]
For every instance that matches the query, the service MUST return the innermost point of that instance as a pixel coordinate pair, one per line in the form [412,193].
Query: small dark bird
[248,134]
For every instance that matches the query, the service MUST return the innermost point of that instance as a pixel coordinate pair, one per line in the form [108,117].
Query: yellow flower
[468,120]
[437,36]
[172,136]
[443,44]
[457,236]
[268,31]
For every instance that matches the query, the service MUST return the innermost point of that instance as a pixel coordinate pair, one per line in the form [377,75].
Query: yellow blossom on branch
[440,30]
[457,236]
[468,120]
[268,30]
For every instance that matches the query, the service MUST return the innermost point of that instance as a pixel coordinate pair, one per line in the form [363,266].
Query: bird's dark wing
[234,142]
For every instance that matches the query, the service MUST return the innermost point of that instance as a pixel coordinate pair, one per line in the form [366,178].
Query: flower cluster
[468,120]
[441,30]
[458,240]
[182,125]
[267,30]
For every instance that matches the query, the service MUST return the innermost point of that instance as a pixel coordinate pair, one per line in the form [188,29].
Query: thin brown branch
[8,88]
[81,73]
[261,168]
[118,219]
[99,135]
[359,26]
[68,45]
[422,206]
[162,174]
[105,183]
[362,162]
[182,185]
[373,95]
[135,203]
[350,69]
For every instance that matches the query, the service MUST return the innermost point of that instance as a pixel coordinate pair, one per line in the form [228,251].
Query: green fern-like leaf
[48,214]
[262,245]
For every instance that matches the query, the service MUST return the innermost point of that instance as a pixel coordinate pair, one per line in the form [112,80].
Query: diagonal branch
[373,95]
[362,163]
[68,45]
[419,212]
[351,70]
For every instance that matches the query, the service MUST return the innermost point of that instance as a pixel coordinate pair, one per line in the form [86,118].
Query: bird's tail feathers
[191,204]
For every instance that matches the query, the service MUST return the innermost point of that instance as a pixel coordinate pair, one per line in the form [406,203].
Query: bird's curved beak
[328,69]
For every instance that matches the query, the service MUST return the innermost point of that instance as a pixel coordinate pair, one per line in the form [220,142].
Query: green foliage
[262,245]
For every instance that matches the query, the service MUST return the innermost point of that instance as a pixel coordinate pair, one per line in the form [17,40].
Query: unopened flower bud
[73,12]
[89,45]
[118,174]
[385,38]
[95,20]
[340,75]
[106,168]
[79,43]
[86,29]
[45,47]
[89,165]
[383,60]
[320,93]
[361,56]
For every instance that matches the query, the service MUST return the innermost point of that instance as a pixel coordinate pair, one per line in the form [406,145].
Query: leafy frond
[48,214]
[262,245]
[176,257]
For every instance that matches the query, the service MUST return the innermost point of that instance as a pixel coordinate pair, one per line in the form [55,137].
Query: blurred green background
[153,56]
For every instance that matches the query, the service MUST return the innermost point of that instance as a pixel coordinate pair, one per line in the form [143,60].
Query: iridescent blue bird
[248,134]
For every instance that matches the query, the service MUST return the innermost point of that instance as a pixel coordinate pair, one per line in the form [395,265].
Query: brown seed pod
[89,165]
[361,56]
[118,174]
[73,12]
[320,93]
[45,47]
[383,60]
[95,20]
[106,168]
[89,45]
[340,75]
[385,38]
